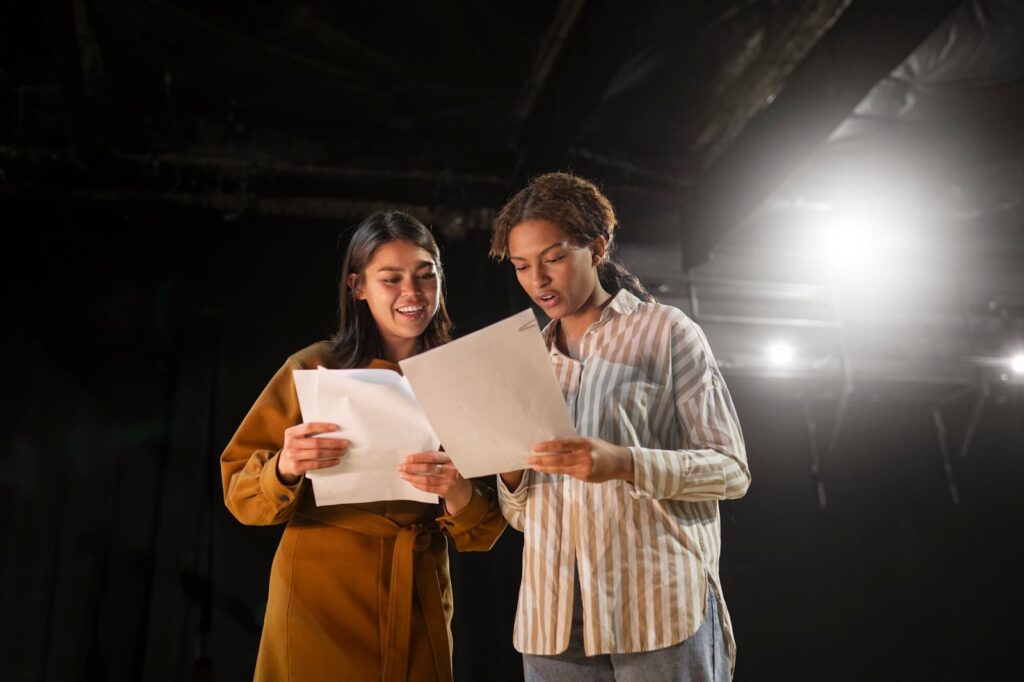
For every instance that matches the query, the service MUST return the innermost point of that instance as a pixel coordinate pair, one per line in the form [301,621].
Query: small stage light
[1017,363]
[780,354]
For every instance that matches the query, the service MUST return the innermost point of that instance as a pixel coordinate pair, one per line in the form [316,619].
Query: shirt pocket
[629,406]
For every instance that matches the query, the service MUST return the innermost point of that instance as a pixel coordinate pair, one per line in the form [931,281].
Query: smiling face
[559,276]
[400,287]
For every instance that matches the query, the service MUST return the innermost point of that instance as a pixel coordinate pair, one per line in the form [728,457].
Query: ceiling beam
[869,40]
[551,47]
[604,35]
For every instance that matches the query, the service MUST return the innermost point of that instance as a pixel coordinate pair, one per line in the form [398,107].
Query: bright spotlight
[780,354]
[1017,363]
[845,241]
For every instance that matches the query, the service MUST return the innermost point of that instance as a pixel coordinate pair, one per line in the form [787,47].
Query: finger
[328,454]
[431,457]
[553,469]
[316,453]
[429,484]
[557,444]
[319,444]
[316,462]
[565,448]
[323,444]
[311,464]
[552,458]
[311,428]
[446,478]
[577,471]
[564,458]
[552,451]
[422,469]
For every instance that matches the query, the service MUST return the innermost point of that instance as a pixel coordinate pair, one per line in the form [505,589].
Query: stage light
[871,253]
[1017,363]
[780,354]
[845,240]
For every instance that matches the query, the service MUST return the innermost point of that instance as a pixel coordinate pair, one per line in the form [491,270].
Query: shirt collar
[622,303]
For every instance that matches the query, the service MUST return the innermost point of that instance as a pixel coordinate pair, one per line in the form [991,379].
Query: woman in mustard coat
[359,591]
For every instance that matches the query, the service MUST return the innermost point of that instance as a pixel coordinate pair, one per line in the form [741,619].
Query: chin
[558,312]
[418,332]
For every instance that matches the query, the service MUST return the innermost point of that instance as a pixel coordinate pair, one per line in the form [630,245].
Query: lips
[411,312]
[547,299]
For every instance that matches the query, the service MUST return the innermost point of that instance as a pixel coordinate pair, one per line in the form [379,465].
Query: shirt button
[283,498]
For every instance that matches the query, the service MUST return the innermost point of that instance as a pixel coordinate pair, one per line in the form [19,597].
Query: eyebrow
[393,268]
[555,245]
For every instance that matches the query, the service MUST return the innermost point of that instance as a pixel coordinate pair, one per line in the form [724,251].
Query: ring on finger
[437,469]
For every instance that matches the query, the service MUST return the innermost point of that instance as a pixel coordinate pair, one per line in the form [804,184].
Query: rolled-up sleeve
[513,502]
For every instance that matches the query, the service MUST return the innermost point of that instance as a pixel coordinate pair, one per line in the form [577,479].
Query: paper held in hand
[379,415]
[491,395]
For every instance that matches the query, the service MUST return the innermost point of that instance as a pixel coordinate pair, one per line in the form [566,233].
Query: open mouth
[411,312]
[548,300]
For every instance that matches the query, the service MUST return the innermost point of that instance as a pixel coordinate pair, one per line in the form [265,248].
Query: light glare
[846,241]
[780,354]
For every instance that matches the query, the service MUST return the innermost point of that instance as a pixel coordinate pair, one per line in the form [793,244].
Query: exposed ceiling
[690,114]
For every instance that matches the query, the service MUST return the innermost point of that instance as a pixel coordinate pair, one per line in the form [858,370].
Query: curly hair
[578,207]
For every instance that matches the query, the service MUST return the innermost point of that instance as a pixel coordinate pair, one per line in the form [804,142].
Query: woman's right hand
[302,452]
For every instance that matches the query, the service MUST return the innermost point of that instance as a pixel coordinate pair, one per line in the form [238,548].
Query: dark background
[176,184]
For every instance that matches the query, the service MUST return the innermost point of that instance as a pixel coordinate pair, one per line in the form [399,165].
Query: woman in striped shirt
[621,525]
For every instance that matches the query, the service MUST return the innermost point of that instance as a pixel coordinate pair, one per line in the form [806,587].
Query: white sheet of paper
[379,415]
[491,395]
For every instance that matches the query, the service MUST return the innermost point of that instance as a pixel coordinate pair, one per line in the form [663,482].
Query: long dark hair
[358,340]
[578,207]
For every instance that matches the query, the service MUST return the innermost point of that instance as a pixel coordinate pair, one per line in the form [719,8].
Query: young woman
[358,591]
[622,536]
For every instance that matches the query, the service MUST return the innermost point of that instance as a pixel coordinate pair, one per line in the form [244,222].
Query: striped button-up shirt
[647,550]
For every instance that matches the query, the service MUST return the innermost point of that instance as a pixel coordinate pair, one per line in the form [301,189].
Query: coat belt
[411,563]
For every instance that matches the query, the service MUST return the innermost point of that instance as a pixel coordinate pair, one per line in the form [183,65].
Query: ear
[599,248]
[353,284]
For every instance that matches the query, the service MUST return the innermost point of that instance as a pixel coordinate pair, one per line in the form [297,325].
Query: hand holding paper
[434,472]
[302,452]
[378,414]
[591,460]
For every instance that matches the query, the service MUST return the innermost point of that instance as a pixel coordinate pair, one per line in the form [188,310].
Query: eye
[555,259]
[428,275]
[391,281]
[520,268]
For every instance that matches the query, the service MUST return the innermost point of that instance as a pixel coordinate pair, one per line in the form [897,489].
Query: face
[399,285]
[559,276]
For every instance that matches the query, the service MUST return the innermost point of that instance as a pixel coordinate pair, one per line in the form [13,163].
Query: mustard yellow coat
[357,591]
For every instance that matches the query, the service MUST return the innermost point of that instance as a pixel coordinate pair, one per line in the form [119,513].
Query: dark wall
[138,336]
[892,581]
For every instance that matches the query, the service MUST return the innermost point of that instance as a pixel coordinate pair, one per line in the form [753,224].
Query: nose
[412,287]
[539,277]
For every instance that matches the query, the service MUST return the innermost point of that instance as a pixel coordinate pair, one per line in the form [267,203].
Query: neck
[397,350]
[572,327]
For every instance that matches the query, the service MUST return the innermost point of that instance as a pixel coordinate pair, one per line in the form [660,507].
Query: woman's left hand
[433,472]
[589,459]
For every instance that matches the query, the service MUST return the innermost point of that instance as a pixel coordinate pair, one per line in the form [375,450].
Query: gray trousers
[700,658]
